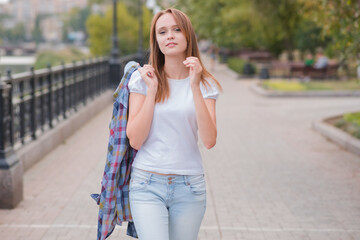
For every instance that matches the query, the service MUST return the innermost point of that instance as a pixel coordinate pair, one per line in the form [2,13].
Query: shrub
[237,64]
[350,123]
[353,118]
[357,133]
[341,123]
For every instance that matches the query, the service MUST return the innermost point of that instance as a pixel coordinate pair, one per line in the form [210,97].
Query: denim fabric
[167,207]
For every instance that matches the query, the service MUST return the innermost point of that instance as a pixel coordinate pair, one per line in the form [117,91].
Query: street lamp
[114,58]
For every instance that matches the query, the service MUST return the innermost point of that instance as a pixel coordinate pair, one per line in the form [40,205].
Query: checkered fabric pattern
[113,201]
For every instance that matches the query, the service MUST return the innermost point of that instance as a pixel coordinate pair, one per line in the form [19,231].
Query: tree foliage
[16,34]
[13,35]
[340,20]
[239,24]
[99,28]
[308,36]
[279,20]
[78,18]
[37,34]
[222,21]
[275,25]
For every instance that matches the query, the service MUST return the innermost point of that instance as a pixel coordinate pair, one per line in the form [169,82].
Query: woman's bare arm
[141,109]
[206,118]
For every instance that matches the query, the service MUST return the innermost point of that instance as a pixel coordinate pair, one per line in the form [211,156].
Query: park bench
[256,56]
[308,71]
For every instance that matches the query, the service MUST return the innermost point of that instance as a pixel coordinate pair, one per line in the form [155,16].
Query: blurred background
[290,70]
[276,32]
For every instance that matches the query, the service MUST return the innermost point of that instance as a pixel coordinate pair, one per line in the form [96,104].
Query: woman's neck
[175,69]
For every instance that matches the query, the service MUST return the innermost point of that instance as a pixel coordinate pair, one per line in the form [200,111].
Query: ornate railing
[35,101]
[38,100]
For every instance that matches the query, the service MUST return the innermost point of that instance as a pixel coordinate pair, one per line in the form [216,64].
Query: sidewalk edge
[337,136]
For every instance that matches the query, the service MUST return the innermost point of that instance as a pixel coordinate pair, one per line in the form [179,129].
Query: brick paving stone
[270,176]
[355,235]
[300,236]
[37,233]
[284,236]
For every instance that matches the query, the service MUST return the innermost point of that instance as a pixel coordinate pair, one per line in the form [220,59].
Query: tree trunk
[289,49]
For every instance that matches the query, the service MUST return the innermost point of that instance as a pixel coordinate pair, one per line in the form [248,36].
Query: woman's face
[171,40]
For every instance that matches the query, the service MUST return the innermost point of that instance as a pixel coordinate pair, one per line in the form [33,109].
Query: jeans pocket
[198,188]
[137,184]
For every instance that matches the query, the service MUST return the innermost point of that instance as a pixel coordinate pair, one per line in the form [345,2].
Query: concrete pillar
[11,182]
[11,170]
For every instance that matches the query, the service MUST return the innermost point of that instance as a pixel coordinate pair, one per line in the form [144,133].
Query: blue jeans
[167,207]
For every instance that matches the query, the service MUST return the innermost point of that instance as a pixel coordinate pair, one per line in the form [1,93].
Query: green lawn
[350,123]
[283,85]
[55,58]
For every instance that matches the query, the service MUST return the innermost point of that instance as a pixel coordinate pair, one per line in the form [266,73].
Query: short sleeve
[137,84]
[211,91]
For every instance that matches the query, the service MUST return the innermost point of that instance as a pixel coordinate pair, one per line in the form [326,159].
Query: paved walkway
[270,176]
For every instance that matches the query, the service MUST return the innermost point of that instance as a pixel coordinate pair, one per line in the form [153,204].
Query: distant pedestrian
[213,50]
[171,99]
[309,59]
[321,60]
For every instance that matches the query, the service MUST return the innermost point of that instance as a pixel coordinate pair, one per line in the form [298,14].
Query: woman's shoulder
[136,83]
[135,76]
[209,89]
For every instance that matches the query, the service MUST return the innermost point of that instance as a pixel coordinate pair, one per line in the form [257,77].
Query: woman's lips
[171,44]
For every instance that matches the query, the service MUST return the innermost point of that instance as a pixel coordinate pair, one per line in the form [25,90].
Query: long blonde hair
[157,58]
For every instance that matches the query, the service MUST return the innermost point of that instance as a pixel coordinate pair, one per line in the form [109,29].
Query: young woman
[171,100]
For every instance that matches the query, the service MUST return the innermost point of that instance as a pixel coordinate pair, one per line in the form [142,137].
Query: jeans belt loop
[186,180]
[149,177]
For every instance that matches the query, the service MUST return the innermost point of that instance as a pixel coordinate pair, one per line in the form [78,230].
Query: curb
[323,93]
[337,136]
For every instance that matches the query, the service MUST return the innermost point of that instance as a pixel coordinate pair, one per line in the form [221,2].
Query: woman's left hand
[195,70]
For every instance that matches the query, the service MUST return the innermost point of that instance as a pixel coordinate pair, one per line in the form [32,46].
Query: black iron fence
[35,101]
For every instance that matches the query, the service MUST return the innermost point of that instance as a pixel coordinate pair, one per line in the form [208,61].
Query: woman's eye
[178,29]
[162,32]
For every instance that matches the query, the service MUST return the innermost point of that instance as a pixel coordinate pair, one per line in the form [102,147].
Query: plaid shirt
[114,205]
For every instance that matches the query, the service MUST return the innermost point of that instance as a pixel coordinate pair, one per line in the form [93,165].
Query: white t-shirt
[172,144]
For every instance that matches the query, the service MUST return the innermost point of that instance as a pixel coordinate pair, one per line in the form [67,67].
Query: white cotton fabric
[172,144]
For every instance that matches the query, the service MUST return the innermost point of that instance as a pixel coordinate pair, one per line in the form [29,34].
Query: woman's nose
[170,35]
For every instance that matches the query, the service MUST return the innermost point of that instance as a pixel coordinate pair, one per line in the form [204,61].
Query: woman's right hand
[147,73]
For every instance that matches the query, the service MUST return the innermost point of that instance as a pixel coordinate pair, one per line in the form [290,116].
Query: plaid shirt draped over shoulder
[113,201]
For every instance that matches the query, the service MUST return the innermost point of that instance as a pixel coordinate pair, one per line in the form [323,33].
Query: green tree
[340,20]
[100,31]
[224,22]
[237,24]
[343,25]
[279,19]
[15,34]
[18,32]
[90,2]
[37,32]
[75,20]
[308,36]
[78,17]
